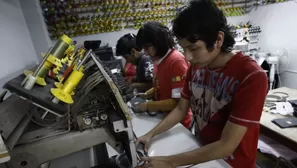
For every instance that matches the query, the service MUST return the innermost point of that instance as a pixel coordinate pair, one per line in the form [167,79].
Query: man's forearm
[162,105]
[134,79]
[150,93]
[213,151]
[170,120]
[142,86]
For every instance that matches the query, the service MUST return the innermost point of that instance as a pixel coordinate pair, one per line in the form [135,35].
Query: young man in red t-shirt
[226,91]
[169,71]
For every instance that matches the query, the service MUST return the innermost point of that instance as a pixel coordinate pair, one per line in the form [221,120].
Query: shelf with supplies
[87,17]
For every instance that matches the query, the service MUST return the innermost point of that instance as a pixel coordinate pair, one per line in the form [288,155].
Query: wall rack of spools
[242,7]
[87,17]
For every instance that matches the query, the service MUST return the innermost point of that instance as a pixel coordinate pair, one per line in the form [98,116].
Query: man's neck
[139,54]
[159,60]
[138,57]
[221,60]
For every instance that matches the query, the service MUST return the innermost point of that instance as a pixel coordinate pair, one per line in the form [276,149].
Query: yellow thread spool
[60,86]
[64,94]
[57,52]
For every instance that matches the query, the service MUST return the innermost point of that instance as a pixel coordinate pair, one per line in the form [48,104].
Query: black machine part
[94,45]
[104,53]
[11,113]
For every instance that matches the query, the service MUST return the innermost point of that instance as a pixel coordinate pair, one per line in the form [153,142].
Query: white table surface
[266,117]
[176,140]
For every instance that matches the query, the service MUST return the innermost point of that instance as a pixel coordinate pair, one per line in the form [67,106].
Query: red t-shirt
[169,79]
[129,70]
[235,93]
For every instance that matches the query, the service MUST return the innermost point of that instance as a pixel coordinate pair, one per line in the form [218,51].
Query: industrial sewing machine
[70,102]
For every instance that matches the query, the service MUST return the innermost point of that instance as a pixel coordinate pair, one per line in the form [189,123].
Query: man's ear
[133,52]
[220,39]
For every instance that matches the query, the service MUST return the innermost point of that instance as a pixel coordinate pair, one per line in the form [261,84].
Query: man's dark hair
[202,20]
[125,44]
[157,35]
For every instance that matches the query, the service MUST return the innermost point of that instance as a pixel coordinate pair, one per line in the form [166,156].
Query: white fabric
[282,108]
[160,60]
[176,93]
[113,71]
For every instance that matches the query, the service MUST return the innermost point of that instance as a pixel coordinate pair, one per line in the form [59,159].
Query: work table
[286,136]
[176,140]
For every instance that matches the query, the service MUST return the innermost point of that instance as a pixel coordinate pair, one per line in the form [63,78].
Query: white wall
[36,25]
[16,48]
[279,24]
[237,19]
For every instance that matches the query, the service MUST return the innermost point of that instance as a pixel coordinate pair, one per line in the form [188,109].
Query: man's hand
[145,140]
[230,139]
[157,162]
[142,95]
[128,81]
[133,85]
[140,108]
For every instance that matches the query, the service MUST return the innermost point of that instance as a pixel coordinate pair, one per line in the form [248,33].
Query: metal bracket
[36,153]
[119,126]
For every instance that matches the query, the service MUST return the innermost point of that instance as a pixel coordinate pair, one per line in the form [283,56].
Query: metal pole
[54,100]
[84,59]
[43,61]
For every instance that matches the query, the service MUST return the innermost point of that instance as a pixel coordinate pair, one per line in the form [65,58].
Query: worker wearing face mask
[126,47]
[170,69]
[225,90]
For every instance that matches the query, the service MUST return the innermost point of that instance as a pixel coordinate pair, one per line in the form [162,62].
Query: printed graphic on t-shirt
[211,91]
[148,70]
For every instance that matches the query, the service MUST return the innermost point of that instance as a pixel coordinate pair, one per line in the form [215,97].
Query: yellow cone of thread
[42,73]
[60,86]
[57,53]
[64,94]
[39,81]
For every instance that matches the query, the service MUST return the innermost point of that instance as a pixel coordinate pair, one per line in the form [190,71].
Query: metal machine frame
[33,154]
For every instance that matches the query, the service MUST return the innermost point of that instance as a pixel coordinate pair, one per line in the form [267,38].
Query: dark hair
[157,35]
[202,20]
[125,44]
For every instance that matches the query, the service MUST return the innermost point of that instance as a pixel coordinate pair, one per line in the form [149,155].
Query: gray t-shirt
[144,69]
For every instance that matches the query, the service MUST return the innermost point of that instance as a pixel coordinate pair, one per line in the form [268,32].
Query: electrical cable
[89,81]
[28,109]
[89,89]
[89,65]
